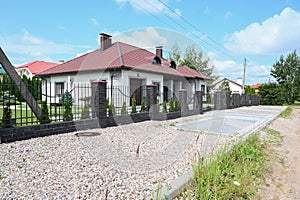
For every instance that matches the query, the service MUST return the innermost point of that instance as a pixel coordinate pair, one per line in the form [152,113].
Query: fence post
[218,100]
[235,99]
[199,101]
[98,99]
[248,99]
[183,102]
[227,100]
[238,100]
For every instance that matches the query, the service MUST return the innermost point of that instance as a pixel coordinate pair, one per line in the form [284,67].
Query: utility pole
[244,76]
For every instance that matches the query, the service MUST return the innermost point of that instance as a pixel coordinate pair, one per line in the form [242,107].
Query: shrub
[68,116]
[171,105]
[176,106]
[6,117]
[143,106]
[124,109]
[165,107]
[66,98]
[111,109]
[45,113]
[85,113]
[133,104]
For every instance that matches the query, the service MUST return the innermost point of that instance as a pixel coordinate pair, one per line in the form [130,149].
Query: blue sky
[226,32]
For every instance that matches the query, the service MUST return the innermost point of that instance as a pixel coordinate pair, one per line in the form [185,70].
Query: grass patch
[230,173]
[287,113]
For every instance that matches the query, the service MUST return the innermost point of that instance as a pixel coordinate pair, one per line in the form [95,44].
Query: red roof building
[256,86]
[33,68]
[123,64]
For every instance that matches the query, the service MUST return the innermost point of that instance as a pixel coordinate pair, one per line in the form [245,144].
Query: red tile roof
[257,85]
[225,79]
[121,55]
[37,67]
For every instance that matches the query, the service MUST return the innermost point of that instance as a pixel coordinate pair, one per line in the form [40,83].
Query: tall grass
[231,173]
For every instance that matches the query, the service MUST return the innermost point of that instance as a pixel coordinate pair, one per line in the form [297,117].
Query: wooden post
[21,86]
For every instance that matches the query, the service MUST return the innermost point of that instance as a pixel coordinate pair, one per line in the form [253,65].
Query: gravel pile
[123,162]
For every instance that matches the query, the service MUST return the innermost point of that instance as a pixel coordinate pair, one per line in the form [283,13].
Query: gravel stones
[123,162]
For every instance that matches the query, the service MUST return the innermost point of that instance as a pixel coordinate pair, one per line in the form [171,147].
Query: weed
[231,174]
[2,176]
[173,123]
[287,113]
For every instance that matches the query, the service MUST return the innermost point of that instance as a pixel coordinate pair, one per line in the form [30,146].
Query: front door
[136,90]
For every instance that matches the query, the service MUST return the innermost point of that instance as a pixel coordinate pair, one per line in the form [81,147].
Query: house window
[156,61]
[203,88]
[59,88]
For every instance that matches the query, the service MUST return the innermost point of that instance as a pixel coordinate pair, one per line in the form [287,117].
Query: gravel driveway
[123,162]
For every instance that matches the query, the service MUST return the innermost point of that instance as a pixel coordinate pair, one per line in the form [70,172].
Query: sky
[225,32]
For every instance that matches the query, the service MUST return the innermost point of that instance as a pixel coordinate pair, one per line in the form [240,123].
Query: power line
[178,24]
[189,23]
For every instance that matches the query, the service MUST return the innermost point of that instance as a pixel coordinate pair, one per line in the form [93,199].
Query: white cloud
[95,21]
[233,70]
[276,35]
[227,15]
[151,6]
[143,38]
[26,47]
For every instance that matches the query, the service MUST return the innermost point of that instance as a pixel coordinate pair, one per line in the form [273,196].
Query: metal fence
[118,100]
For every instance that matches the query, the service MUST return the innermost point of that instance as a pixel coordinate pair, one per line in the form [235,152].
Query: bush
[143,106]
[66,99]
[124,109]
[45,113]
[85,113]
[171,105]
[68,116]
[6,117]
[111,109]
[176,106]
[165,107]
[133,104]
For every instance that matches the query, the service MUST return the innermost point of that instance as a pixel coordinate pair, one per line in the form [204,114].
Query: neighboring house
[235,87]
[33,68]
[255,87]
[121,64]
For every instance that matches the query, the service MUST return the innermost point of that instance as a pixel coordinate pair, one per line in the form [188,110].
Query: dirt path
[283,182]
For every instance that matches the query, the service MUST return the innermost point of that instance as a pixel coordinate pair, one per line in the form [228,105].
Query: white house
[33,68]
[121,64]
[235,86]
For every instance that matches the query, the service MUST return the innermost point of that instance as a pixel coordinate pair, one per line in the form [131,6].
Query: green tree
[143,106]
[287,73]
[271,94]
[66,99]
[133,105]
[67,115]
[225,87]
[192,59]
[124,109]
[45,113]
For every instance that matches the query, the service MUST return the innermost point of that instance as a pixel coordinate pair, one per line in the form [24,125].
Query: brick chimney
[159,52]
[105,41]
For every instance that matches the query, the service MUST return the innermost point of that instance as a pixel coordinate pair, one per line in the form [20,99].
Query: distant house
[235,86]
[255,87]
[121,64]
[33,68]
